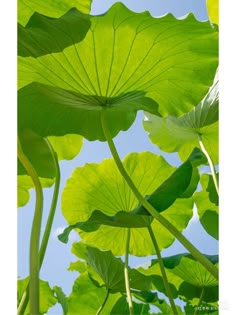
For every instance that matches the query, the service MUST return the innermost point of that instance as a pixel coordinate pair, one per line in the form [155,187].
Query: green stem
[200,300]
[35,233]
[53,205]
[212,167]
[126,272]
[163,272]
[142,309]
[25,297]
[168,225]
[104,303]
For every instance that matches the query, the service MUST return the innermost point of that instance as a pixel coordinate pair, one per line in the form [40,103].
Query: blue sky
[58,255]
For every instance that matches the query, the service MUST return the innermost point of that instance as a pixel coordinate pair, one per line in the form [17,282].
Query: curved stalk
[127,287]
[53,205]
[200,301]
[35,233]
[213,171]
[25,297]
[163,272]
[168,225]
[104,303]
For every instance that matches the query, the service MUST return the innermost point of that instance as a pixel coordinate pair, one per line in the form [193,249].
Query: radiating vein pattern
[166,58]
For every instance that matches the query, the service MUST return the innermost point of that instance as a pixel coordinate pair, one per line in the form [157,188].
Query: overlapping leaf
[186,275]
[181,184]
[44,35]
[176,63]
[101,187]
[207,206]
[86,298]
[111,269]
[53,8]
[47,298]
[181,134]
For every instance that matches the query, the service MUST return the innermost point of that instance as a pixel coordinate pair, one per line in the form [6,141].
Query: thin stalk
[142,309]
[52,211]
[212,167]
[25,297]
[163,272]
[35,233]
[200,301]
[168,225]
[104,303]
[127,287]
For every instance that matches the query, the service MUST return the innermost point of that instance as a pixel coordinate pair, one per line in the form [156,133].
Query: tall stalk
[213,171]
[168,225]
[35,233]
[52,211]
[163,272]
[25,297]
[126,272]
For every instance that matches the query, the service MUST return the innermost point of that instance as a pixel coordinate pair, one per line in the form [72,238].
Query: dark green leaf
[189,292]
[177,185]
[44,35]
[64,111]
[38,152]
[111,269]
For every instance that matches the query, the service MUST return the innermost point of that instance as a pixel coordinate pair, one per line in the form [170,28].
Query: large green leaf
[207,206]
[182,134]
[100,186]
[107,237]
[111,271]
[53,8]
[86,298]
[177,62]
[182,183]
[47,298]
